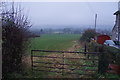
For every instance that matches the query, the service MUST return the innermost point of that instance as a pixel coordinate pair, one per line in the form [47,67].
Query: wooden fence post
[63,65]
[85,50]
[32,60]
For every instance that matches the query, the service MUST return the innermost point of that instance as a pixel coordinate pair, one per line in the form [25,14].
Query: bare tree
[15,31]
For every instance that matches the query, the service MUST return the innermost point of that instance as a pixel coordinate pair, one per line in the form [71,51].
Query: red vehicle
[101,39]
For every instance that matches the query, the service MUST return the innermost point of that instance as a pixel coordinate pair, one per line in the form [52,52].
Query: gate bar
[66,51]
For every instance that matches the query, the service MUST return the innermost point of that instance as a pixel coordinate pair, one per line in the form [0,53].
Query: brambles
[14,35]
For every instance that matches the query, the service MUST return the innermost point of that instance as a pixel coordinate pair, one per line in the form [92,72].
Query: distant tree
[14,36]
[67,30]
[88,34]
[41,31]
[77,32]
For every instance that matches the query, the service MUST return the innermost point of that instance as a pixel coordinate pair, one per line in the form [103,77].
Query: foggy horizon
[108,27]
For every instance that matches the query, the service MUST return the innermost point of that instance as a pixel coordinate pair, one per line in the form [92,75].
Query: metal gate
[65,63]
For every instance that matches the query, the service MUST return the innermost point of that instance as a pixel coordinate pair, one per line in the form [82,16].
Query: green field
[59,42]
[56,42]
[53,42]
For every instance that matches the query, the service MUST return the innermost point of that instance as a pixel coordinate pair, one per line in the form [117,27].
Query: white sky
[70,13]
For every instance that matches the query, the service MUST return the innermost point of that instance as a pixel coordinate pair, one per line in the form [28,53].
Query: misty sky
[70,13]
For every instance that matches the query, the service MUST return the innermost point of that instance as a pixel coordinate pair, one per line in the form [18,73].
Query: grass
[55,42]
[59,42]
[52,42]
